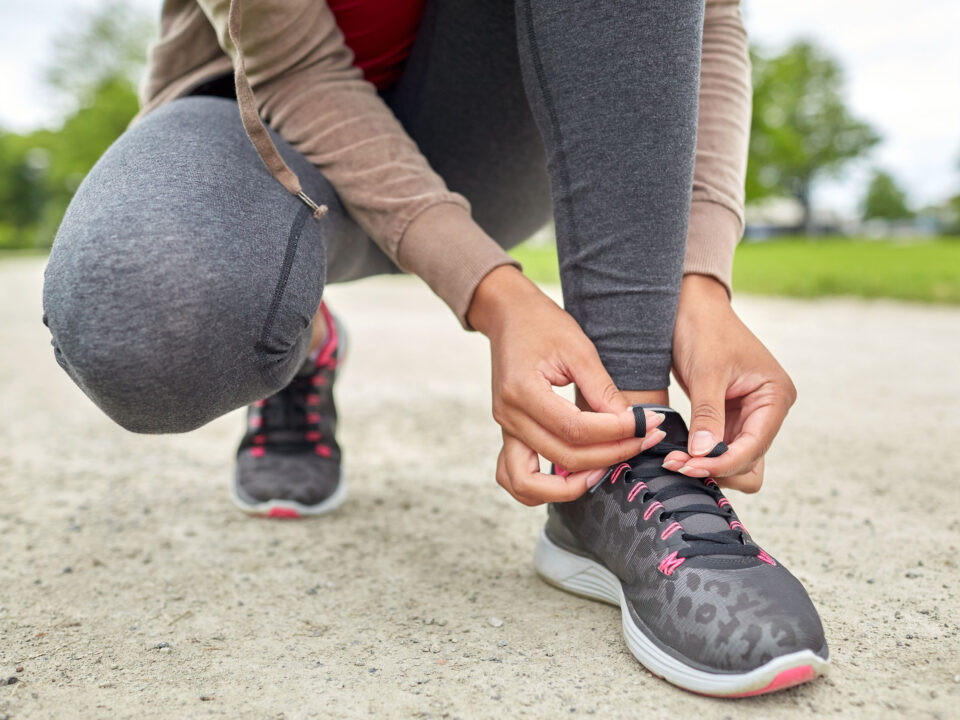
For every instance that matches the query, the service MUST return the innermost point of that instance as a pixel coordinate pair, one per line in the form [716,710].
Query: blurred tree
[106,47]
[801,128]
[953,207]
[94,69]
[22,193]
[885,199]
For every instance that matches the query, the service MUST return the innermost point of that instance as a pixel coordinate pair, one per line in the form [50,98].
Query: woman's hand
[738,391]
[535,345]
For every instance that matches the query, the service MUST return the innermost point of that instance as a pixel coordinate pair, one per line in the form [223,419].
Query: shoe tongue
[677,433]
[673,424]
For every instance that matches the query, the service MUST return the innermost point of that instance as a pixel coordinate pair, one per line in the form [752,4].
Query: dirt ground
[131,588]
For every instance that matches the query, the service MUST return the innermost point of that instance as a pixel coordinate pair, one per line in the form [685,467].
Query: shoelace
[288,410]
[726,542]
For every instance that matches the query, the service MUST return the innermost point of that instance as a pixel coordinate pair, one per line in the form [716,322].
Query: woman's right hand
[535,345]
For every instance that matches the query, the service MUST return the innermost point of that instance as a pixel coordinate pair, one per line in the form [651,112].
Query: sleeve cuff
[712,237]
[451,253]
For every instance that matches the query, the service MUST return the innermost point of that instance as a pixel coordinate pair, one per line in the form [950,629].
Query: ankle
[652,397]
[634,397]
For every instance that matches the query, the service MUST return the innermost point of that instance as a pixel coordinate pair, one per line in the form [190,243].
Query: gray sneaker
[289,462]
[703,606]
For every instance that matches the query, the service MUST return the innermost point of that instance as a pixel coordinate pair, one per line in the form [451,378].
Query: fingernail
[654,418]
[702,442]
[693,472]
[594,477]
[671,464]
[652,440]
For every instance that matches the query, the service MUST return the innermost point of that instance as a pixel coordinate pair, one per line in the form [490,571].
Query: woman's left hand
[738,392]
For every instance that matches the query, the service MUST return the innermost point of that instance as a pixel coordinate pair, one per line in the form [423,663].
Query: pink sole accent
[282,512]
[785,679]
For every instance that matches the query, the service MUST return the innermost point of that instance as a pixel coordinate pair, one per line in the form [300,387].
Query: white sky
[902,64]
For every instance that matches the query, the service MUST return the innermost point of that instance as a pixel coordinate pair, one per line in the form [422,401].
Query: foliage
[801,128]
[108,47]
[926,270]
[885,199]
[93,71]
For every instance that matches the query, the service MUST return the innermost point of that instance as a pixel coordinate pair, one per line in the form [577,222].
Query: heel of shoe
[574,573]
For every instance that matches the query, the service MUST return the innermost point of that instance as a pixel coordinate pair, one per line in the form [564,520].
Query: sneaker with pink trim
[703,605]
[289,461]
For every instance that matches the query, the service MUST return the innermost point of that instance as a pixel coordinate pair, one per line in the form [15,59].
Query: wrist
[498,291]
[699,292]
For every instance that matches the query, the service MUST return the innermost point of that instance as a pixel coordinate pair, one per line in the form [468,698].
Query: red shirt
[380,33]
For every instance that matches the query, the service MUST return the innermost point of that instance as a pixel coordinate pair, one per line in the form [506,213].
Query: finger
[531,486]
[675,460]
[595,383]
[707,403]
[574,426]
[503,479]
[580,457]
[760,426]
[748,482]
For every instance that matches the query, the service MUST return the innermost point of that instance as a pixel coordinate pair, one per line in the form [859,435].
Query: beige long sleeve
[306,86]
[723,135]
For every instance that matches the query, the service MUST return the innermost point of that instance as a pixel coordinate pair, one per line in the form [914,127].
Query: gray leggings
[183,279]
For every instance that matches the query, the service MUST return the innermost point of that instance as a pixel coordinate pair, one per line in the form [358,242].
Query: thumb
[597,387]
[707,396]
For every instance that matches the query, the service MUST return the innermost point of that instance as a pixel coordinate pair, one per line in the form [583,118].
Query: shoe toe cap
[302,478]
[734,620]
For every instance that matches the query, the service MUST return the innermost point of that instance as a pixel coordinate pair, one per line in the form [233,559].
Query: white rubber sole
[582,576]
[291,508]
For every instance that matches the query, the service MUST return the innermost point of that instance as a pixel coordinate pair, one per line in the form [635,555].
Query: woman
[187,276]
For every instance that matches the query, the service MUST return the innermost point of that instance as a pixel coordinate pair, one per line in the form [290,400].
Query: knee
[126,341]
[161,292]
[153,340]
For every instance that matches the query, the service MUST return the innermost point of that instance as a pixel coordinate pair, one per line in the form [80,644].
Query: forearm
[723,134]
[304,83]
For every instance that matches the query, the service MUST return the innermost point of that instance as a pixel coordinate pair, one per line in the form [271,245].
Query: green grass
[14,253]
[925,270]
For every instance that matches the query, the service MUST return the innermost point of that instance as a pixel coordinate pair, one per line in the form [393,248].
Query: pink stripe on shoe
[332,341]
[671,529]
[670,563]
[621,468]
[654,506]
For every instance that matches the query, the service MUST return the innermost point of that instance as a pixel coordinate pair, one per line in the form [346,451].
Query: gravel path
[130,587]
